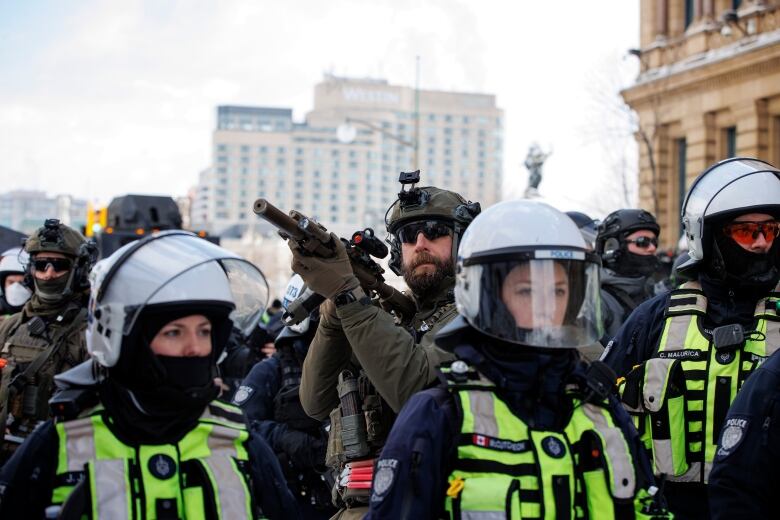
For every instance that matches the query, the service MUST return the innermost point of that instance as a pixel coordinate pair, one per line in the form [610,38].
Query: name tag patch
[686,355]
[491,443]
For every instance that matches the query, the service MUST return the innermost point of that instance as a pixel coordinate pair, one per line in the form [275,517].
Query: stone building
[708,89]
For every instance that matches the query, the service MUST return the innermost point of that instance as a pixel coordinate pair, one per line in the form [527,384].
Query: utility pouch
[663,398]
[334,455]
[5,404]
[353,421]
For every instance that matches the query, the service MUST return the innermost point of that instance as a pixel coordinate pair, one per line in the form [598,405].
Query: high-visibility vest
[506,469]
[204,475]
[681,396]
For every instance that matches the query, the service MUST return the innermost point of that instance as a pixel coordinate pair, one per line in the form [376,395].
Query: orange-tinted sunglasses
[746,233]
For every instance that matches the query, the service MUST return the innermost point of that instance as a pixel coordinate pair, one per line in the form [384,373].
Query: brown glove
[325,276]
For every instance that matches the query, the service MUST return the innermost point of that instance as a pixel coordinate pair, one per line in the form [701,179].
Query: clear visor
[540,303]
[182,269]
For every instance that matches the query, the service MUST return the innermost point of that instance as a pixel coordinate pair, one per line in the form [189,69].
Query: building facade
[341,164]
[708,89]
[27,210]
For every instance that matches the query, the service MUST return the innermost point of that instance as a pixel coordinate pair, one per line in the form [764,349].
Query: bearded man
[362,351]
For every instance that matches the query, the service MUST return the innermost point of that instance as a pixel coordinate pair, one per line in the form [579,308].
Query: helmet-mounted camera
[411,196]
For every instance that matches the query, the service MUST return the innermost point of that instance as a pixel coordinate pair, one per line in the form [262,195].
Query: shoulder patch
[384,477]
[731,436]
[242,395]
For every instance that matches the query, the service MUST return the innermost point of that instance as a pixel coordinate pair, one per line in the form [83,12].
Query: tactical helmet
[56,237]
[175,272]
[534,285]
[725,190]
[611,243]
[14,261]
[427,203]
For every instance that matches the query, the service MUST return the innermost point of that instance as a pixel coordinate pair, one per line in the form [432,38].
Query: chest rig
[506,469]
[681,396]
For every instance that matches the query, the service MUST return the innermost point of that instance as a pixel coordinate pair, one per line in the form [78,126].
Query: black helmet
[611,243]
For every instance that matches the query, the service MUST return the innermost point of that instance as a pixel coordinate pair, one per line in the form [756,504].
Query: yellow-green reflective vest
[680,397]
[204,475]
[505,469]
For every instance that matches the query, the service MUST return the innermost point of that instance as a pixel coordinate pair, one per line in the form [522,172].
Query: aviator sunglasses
[58,264]
[432,229]
[644,242]
[746,233]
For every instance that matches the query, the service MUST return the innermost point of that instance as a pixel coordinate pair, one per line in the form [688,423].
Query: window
[244,149]
[688,13]
[730,140]
[681,155]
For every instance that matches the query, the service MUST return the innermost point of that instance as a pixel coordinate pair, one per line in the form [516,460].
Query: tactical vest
[204,475]
[681,396]
[506,469]
[24,394]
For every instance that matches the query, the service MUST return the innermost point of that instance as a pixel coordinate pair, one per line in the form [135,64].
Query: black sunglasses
[58,264]
[432,229]
[644,242]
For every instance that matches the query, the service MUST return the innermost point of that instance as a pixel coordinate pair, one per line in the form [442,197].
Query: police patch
[383,478]
[553,447]
[731,437]
[162,466]
[242,394]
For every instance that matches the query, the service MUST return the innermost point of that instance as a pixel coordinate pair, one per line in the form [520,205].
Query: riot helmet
[723,192]
[14,262]
[534,284]
[612,242]
[80,256]
[298,290]
[429,210]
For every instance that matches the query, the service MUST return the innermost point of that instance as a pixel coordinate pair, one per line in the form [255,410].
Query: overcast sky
[102,98]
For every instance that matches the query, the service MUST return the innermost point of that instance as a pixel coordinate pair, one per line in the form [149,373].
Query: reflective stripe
[656,382]
[481,404]
[692,475]
[110,489]
[623,477]
[80,443]
[483,515]
[222,440]
[231,488]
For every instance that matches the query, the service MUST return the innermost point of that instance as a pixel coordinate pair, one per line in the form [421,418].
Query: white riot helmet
[728,188]
[168,270]
[14,261]
[525,276]
[296,288]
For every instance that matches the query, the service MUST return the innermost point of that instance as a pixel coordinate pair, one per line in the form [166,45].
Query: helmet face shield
[539,302]
[171,269]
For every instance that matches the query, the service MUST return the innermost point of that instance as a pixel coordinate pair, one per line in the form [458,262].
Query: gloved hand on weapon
[326,276]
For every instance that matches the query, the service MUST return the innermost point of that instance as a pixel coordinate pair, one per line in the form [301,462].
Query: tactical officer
[519,427]
[693,348]
[157,445]
[47,336]
[627,241]
[13,292]
[270,402]
[360,357]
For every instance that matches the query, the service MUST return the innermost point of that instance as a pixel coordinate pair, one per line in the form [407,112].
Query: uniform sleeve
[27,479]
[329,354]
[394,363]
[256,394]
[746,470]
[638,338]
[269,486]
[410,477]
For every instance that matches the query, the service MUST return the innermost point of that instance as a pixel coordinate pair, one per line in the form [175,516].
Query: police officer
[158,445]
[270,402]
[47,336]
[13,292]
[693,348]
[360,357]
[746,471]
[519,428]
[627,241]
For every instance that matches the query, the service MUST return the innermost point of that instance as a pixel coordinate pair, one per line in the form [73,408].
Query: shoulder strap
[688,299]
[459,375]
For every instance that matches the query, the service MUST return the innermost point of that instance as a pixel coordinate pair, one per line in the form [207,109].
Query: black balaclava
[632,264]
[746,272]
[157,399]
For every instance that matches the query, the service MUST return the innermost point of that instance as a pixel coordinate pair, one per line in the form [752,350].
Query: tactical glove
[325,276]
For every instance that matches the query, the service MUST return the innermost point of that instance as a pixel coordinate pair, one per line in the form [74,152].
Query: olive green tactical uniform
[47,337]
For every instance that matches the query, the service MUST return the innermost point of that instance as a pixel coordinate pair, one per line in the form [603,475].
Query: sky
[102,98]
